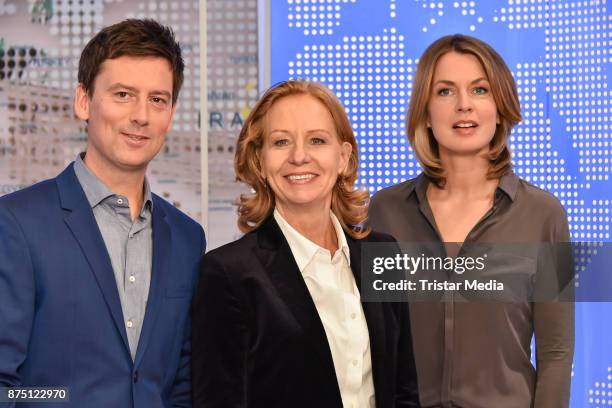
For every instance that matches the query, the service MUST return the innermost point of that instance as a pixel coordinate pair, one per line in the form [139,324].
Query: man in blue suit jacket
[96,272]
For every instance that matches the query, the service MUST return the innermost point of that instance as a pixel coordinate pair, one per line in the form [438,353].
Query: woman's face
[302,155]
[461,111]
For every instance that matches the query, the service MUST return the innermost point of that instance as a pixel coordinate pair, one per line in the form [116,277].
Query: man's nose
[140,112]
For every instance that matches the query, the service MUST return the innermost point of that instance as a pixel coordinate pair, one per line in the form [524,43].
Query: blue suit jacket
[61,322]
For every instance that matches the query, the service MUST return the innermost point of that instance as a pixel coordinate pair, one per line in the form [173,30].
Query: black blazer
[258,341]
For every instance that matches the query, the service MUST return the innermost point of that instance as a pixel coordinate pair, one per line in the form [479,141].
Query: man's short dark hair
[135,38]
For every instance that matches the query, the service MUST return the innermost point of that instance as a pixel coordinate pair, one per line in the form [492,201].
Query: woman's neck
[313,223]
[466,177]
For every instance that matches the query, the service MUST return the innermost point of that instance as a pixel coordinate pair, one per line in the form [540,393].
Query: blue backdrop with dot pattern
[559,52]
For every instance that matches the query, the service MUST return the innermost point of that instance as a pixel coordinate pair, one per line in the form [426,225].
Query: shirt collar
[508,184]
[302,248]
[96,191]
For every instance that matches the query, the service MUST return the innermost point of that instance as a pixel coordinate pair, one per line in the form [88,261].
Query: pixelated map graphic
[560,53]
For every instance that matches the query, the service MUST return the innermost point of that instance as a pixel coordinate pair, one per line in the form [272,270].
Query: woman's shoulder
[539,199]
[233,251]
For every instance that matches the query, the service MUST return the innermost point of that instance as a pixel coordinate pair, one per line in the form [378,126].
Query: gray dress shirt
[477,355]
[129,245]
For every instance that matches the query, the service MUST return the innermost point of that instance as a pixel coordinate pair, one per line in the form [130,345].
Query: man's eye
[480,90]
[444,92]
[158,101]
[122,95]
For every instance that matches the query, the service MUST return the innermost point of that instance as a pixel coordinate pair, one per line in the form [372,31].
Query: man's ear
[81,102]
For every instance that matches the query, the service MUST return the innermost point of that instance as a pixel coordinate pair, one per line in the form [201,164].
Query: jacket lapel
[161,249]
[375,319]
[82,223]
[278,261]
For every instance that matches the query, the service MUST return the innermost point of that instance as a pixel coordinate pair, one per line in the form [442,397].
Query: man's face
[128,114]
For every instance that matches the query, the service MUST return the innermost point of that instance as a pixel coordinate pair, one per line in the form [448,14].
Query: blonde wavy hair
[503,89]
[348,204]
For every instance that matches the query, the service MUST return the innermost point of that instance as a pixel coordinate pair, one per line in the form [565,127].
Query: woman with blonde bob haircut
[503,90]
[463,107]
[278,318]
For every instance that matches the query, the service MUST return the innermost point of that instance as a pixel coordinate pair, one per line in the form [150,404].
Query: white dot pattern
[315,17]
[433,10]
[468,10]
[372,78]
[577,51]
[574,78]
[392,8]
[601,394]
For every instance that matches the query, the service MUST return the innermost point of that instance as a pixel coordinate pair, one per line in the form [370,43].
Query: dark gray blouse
[477,355]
